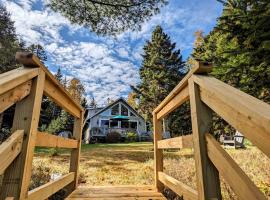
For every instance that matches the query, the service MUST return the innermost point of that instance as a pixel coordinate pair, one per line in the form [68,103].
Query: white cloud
[94,60]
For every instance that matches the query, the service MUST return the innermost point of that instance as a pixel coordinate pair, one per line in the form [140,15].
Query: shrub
[113,137]
[131,137]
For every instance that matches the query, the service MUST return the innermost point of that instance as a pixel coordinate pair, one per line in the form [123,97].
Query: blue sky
[107,65]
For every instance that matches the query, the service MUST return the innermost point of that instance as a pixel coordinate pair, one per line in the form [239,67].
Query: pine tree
[9,43]
[239,46]
[161,71]
[108,16]
[93,103]
[59,75]
[39,51]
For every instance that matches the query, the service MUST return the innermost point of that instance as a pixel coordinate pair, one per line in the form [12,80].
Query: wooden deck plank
[117,192]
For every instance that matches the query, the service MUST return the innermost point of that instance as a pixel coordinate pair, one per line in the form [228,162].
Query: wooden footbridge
[26,86]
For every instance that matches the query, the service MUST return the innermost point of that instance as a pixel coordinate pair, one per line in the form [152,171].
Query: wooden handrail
[176,143]
[16,77]
[174,103]
[25,88]
[14,95]
[244,112]
[49,140]
[247,114]
[53,88]
[10,149]
[198,68]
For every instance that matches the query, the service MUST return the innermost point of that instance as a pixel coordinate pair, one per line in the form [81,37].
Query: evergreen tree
[108,16]
[93,103]
[161,71]
[240,47]
[39,51]
[9,43]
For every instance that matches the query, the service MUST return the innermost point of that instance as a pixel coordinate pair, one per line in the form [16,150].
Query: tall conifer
[162,69]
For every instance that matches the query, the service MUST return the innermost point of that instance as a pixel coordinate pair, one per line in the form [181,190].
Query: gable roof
[114,103]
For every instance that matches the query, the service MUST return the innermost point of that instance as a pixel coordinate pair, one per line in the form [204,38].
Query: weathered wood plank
[158,153]
[116,189]
[117,192]
[49,140]
[243,187]
[178,187]
[119,198]
[53,91]
[208,183]
[17,175]
[180,142]
[14,95]
[174,103]
[10,149]
[16,77]
[247,114]
[198,68]
[51,187]
[10,198]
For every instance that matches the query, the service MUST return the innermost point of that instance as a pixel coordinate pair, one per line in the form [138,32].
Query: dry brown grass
[132,164]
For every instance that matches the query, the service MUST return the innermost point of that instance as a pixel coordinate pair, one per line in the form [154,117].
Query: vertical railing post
[158,154]
[17,176]
[75,153]
[208,182]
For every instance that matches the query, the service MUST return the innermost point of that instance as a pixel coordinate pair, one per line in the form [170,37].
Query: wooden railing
[245,113]
[25,87]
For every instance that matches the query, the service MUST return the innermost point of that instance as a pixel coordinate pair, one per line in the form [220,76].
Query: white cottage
[118,116]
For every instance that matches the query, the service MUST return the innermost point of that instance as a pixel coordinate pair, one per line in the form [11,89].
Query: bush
[113,137]
[131,137]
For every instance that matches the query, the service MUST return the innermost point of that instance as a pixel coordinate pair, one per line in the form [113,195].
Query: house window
[124,124]
[104,123]
[115,110]
[124,110]
[114,124]
[133,125]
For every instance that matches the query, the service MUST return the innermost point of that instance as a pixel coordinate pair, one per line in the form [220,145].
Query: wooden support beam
[208,182]
[55,93]
[178,187]
[75,153]
[243,187]
[48,189]
[49,140]
[16,77]
[17,175]
[14,95]
[245,113]
[174,103]
[180,142]
[158,153]
[198,68]
[30,60]
[10,149]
